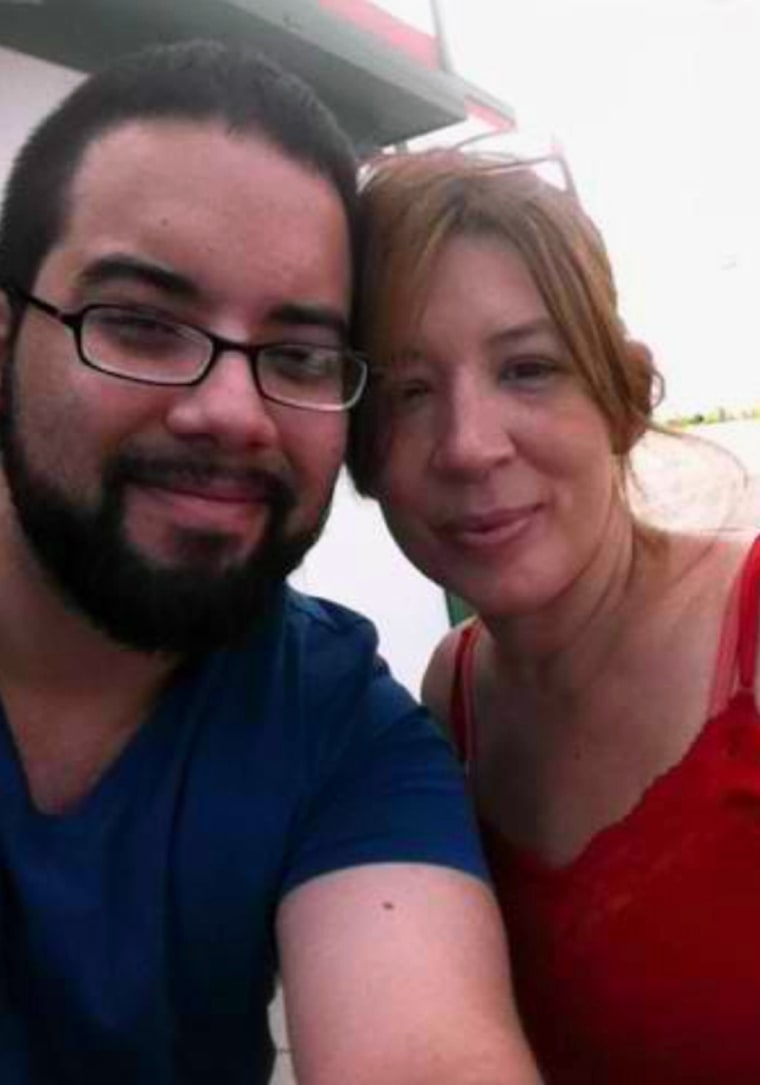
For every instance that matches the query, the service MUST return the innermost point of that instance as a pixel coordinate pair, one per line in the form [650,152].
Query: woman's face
[499,480]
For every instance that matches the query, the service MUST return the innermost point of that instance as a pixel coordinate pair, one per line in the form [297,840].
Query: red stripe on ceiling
[414,43]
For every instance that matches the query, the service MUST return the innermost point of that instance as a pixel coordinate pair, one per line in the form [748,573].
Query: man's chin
[210,594]
[205,553]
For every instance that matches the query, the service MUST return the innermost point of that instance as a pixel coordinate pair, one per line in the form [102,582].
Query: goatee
[202,602]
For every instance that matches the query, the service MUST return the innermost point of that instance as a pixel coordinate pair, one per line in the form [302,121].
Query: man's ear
[6,322]
[7,328]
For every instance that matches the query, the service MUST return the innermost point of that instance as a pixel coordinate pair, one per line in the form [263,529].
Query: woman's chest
[551,775]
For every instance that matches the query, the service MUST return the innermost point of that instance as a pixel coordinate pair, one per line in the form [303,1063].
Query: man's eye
[137,329]
[305,363]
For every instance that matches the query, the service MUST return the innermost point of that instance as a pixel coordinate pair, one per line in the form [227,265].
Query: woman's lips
[492,528]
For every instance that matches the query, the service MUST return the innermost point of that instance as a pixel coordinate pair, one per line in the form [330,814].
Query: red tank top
[638,963]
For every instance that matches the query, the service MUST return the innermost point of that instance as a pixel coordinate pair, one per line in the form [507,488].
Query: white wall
[356,561]
[28,89]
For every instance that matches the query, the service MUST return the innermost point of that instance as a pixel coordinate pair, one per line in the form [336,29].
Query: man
[205,777]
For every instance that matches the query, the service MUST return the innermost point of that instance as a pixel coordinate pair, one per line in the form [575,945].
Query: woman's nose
[475,434]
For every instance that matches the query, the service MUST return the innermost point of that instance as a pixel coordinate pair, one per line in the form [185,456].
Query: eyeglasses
[135,345]
[505,153]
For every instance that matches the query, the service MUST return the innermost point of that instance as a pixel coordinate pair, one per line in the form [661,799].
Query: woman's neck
[570,640]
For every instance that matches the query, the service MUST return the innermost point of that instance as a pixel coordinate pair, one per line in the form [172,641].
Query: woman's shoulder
[438,681]
[687,561]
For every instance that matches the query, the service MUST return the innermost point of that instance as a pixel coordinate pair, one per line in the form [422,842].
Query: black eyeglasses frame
[217,345]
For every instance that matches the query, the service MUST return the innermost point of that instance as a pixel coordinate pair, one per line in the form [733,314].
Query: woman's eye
[408,393]
[411,392]
[528,372]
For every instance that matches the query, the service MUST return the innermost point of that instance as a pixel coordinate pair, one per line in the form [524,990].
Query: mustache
[269,485]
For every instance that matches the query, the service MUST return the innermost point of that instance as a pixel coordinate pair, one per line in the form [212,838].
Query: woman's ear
[645,392]
[640,357]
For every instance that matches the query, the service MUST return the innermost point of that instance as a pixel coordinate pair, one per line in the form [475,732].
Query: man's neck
[73,698]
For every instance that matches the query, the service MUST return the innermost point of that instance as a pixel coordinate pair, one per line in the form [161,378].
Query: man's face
[168,515]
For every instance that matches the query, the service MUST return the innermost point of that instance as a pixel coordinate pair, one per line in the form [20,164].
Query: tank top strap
[461,714]
[749,614]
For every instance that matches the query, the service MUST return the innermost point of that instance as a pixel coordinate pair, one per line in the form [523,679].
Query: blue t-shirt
[137,931]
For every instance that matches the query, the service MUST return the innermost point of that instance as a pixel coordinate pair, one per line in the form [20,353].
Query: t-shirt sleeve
[385,785]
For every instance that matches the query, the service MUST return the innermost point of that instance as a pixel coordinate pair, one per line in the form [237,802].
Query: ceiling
[380,96]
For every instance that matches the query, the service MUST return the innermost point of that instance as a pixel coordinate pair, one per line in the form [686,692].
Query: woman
[604,699]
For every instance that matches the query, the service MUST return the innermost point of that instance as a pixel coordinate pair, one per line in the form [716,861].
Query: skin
[500,483]
[498,478]
[252,246]
[234,286]
[130,201]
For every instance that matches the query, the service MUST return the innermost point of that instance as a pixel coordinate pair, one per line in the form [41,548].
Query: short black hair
[191,80]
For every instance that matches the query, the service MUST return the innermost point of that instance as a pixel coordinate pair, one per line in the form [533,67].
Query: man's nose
[226,406]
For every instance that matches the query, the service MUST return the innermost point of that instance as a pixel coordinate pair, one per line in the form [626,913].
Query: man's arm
[397,974]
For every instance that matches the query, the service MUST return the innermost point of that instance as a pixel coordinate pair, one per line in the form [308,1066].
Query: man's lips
[218,505]
[237,491]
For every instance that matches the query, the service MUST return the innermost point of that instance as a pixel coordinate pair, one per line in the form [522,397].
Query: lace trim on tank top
[732,689]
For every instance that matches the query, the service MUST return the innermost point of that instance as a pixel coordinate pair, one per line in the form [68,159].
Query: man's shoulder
[308,650]
[314,627]
[326,615]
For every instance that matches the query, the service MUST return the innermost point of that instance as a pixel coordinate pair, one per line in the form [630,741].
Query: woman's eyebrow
[516,334]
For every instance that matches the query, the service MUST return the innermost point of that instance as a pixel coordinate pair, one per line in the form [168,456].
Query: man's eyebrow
[121,267]
[305,315]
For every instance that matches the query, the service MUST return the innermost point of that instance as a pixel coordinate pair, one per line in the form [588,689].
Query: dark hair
[412,205]
[195,80]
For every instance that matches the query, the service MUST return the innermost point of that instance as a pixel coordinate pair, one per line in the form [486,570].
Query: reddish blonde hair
[412,205]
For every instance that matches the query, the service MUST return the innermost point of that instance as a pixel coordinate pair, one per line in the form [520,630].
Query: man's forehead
[153,177]
[149,146]
[173,190]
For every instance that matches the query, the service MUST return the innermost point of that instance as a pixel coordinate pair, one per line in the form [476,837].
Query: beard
[202,602]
